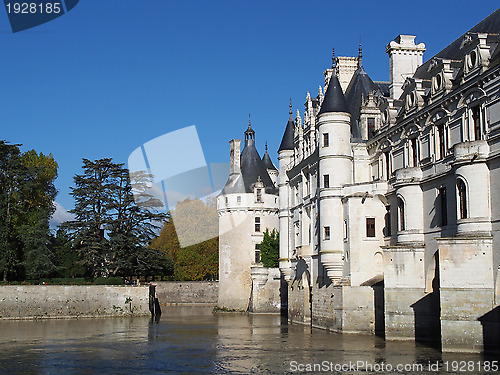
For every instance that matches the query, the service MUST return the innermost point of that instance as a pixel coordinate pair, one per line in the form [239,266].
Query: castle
[386,198]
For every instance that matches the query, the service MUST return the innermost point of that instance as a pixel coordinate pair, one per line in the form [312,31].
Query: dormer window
[437,82]
[411,100]
[471,61]
[258,195]
[259,189]
[386,116]
[371,127]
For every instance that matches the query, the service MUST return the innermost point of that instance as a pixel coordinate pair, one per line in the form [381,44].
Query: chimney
[234,156]
[404,59]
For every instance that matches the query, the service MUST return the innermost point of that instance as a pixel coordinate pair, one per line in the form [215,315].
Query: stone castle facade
[386,197]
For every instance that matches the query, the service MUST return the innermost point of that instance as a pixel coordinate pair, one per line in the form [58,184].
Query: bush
[269,249]
[108,281]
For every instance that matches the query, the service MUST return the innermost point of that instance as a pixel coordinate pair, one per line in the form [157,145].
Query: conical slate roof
[253,168]
[334,100]
[266,159]
[287,141]
[360,86]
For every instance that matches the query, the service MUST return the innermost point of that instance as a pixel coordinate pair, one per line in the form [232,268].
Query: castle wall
[266,290]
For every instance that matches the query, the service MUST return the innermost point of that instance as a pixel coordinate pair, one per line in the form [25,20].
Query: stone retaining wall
[187,292]
[60,301]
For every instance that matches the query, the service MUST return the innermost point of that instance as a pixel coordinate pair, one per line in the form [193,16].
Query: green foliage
[68,262]
[114,280]
[269,249]
[27,194]
[111,232]
[201,260]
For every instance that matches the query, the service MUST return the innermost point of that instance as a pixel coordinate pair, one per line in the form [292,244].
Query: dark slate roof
[384,88]
[360,86]
[287,141]
[266,159]
[490,24]
[334,100]
[252,168]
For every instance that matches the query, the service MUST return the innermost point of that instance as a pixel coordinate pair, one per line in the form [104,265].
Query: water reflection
[192,341]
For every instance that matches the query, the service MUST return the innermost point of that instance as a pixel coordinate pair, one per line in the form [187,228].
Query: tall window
[326,141]
[441,141]
[387,165]
[326,180]
[257,224]
[257,253]
[443,206]
[413,152]
[371,127]
[259,195]
[401,214]
[387,219]
[476,122]
[327,233]
[462,199]
[370,227]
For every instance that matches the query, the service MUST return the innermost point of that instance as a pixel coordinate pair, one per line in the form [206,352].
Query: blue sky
[113,74]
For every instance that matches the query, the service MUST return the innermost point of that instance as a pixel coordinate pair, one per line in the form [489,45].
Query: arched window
[401,214]
[462,199]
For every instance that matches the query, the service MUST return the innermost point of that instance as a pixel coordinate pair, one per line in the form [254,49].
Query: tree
[199,261]
[37,195]
[133,225]
[269,249]
[27,194]
[115,220]
[92,213]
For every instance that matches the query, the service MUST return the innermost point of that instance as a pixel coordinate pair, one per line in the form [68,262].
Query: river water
[194,341]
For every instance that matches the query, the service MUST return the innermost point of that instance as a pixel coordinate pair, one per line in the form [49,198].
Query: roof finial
[249,122]
[290,112]
[266,145]
[360,54]
[333,58]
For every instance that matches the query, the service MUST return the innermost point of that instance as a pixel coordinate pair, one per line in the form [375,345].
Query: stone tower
[335,171]
[246,207]
[404,58]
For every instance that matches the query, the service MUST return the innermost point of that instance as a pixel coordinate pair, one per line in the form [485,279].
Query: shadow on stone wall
[491,331]
[379,305]
[283,297]
[427,320]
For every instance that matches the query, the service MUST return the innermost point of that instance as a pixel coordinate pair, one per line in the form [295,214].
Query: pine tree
[111,231]
[92,214]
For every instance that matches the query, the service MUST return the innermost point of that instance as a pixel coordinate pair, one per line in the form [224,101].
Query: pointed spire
[360,54]
[287,141]
[249,133]
[266,159]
